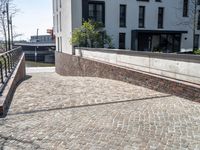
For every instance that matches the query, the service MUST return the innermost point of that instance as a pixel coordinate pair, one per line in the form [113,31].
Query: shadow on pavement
[84,106]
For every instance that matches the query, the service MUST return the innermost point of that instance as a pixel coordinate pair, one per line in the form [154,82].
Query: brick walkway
[54,112]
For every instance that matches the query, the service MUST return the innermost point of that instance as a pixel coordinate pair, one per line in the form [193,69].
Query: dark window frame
[198,21]
[141,18]
[122,40]
[196,41]
[198,2]
[95,3]
[185,8]
[122,15]
[160,17]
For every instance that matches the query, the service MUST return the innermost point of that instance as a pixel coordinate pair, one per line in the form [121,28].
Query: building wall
[63,34]
[173,10]
[172,19]
[42,39]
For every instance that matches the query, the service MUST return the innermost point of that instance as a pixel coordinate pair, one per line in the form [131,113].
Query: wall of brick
[69,65]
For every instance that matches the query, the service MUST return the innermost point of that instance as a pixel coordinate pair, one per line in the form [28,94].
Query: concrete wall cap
[168,56]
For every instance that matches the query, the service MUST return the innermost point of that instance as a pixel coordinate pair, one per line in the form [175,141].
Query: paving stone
[49,111]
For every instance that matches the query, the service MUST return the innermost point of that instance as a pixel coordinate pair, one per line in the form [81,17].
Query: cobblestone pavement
[49,111]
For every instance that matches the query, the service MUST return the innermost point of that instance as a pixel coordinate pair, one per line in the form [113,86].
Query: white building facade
[141,25]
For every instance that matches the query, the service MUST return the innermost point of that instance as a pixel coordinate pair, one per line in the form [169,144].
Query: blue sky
[33,14]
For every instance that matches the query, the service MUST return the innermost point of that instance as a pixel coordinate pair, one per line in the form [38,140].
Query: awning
[159,31]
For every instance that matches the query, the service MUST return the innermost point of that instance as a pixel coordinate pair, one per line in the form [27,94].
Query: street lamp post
[8,24]
[11,29]
[5,34]
[36,54]
[37,40]
[37,35]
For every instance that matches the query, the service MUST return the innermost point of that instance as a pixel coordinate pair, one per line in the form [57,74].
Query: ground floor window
[144,42]
[122,40]
[196,41]
[159,42]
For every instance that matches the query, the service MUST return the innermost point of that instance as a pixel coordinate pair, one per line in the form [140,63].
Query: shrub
[91,34]
[157,49]
[197,52]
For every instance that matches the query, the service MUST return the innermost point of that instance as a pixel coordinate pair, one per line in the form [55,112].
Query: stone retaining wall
[17,76]
[69,65]
[176,66]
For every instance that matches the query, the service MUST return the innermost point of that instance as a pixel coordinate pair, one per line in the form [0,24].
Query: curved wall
[69,65]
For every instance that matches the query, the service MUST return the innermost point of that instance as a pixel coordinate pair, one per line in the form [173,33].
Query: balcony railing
[8,62]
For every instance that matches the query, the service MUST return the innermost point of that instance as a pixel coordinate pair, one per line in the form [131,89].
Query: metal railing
[8,62]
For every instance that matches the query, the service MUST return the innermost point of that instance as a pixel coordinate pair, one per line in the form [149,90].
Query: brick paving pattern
[49,111]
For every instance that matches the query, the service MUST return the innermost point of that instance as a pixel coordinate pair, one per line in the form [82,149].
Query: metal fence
[8,62]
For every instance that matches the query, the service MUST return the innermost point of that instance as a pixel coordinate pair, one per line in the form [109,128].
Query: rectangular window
[57,26]
[97,11]
[54,23]
[53,6]
[141,16]
[122,15]
[56,5]
[60,21]
[198,2]
[196,41]
[185,8]
[160,17]
[58,44]
[198,21]
[122,40]
[177,43]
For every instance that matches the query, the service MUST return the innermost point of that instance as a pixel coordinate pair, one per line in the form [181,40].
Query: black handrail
[8,62]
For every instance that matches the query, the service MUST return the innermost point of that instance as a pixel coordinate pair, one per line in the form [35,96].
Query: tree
[91,34]
[3,20]
[4,23]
